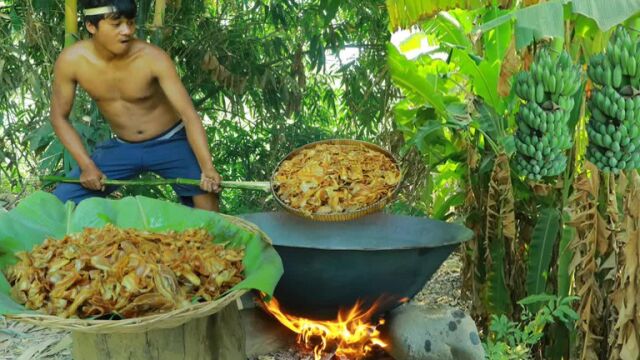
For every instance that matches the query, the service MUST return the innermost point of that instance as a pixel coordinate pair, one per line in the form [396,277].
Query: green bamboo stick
[246,185]
[70,22]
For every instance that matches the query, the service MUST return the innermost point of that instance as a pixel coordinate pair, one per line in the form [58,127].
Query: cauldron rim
[376,232]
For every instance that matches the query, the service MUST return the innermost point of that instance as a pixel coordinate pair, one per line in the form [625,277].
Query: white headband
[99,10]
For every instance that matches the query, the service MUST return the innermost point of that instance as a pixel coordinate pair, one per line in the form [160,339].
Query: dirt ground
[20,341]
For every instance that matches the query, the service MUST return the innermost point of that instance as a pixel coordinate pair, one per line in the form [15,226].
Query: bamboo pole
[70,22]
[158,15]
[246,185]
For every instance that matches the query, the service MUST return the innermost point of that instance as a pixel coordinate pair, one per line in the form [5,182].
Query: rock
[417,332]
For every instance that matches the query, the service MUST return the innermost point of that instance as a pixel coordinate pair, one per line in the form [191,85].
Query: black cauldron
[331,266]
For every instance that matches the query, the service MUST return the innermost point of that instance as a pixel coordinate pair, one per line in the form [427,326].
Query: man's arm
[164,70]
[64,88]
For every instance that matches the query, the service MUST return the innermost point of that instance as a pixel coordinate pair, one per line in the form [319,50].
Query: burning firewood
[353,335]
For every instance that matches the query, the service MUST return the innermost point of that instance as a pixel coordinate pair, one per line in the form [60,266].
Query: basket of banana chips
[128,265]
[336,180]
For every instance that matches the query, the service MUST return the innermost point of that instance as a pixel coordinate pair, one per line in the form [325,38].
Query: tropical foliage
[460,94]
[266,76]
[509,340]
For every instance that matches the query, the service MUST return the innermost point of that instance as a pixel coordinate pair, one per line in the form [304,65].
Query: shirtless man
[139,92]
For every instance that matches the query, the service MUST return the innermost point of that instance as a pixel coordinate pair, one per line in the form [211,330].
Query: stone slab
[418,332]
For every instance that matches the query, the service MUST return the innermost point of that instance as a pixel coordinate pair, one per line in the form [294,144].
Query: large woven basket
[165,320]
[345,216]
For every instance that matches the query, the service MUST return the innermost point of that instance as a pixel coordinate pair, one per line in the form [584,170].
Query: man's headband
[100,10]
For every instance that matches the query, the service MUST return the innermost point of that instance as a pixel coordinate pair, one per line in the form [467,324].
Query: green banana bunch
[541,153]
[620,65]
[543,136]
[548,79]
[614,130]
[614,126]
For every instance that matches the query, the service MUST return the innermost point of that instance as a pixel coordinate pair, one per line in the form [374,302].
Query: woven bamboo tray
[348,215]
[165,320]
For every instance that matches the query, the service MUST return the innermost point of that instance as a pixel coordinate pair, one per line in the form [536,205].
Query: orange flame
[351,335]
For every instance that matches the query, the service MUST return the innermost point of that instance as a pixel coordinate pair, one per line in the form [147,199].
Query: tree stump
[219,336]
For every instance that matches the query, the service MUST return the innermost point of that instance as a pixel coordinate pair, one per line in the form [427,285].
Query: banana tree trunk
[70,22]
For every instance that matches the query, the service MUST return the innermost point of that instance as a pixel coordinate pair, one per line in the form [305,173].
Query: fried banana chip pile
[335,178]
[123,272]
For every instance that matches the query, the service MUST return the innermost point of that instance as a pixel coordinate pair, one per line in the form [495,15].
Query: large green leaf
[485,78]
[424,133]
[498,297]
[419,89]
[543,19]
[28,224]
[547,18]
[565,255]
[450,32]
[443,207]
[578,98]
[607,13]
[525,36]
[497,40]
[42,215]
[487,119]
[543,240]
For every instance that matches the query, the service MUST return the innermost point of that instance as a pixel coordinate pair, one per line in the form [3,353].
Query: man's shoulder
[75,52]
[153,56]
[148,49]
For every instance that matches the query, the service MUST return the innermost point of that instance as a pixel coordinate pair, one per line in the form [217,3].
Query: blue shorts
[169,155]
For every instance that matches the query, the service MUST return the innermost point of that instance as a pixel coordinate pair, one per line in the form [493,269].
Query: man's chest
[129,84]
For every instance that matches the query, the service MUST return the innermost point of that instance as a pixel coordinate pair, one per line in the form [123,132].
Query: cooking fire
[352,335]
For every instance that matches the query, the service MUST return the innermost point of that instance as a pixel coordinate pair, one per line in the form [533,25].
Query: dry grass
[20,341]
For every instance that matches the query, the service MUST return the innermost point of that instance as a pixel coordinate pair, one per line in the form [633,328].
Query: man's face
[114,34]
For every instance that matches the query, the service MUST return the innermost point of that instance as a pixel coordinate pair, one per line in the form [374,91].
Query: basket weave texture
[165,320]
[345,216]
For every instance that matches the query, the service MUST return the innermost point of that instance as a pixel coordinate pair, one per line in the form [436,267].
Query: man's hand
[210,181]
[92,178]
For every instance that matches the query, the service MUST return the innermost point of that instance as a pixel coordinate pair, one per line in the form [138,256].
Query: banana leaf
[42,215]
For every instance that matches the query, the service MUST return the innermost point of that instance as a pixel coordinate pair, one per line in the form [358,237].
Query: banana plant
[475,64]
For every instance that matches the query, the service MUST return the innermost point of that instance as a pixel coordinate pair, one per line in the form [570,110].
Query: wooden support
[220,336]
